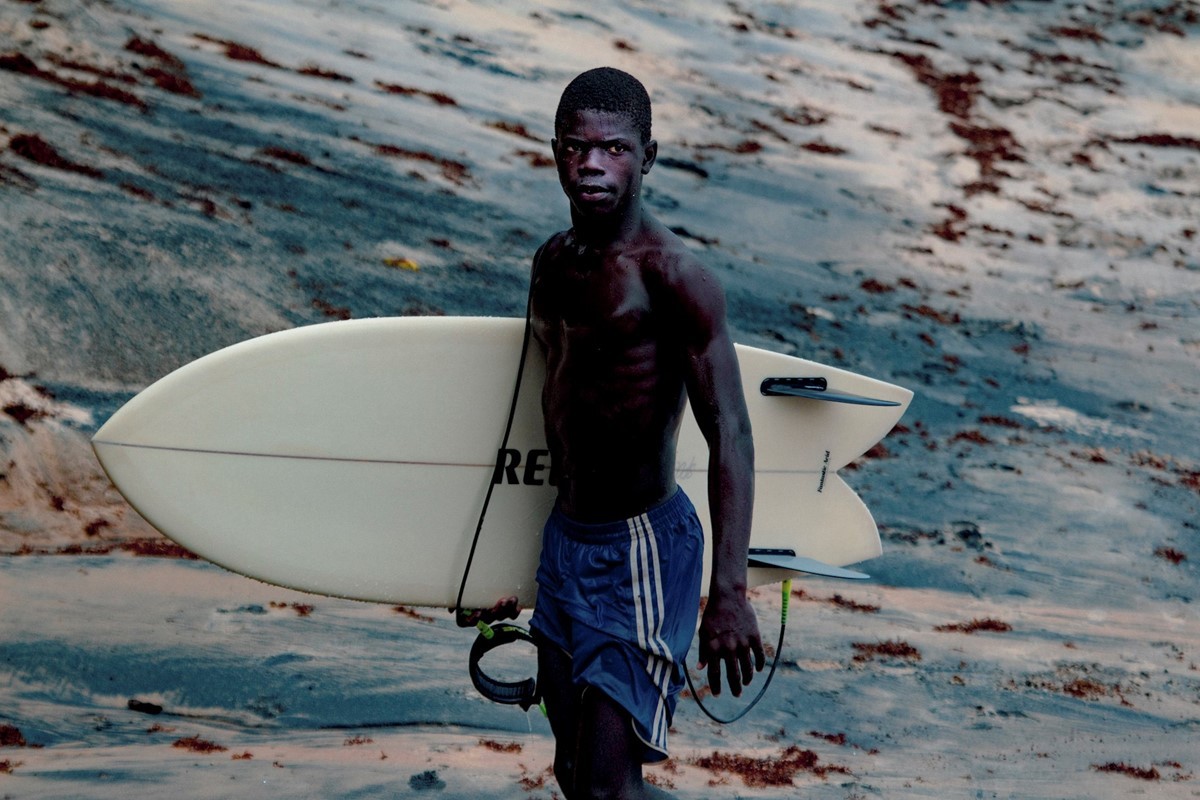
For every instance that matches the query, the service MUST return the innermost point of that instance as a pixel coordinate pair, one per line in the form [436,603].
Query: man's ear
[651,154]
[554,147]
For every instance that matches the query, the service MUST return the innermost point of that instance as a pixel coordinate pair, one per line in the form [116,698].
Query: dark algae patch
[1171,554]
[870,651]
[975,626]
[1121,768]
[768,770]
[146,47]
[197,745]
[34,148]
[235,51]
[22,64]
[1161,140]
[144,547]
[11,736]
[440,98]
[501,747]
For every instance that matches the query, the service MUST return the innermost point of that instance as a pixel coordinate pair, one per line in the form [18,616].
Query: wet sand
[993,203]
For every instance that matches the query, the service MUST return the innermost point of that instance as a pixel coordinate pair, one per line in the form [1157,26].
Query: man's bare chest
[599,311]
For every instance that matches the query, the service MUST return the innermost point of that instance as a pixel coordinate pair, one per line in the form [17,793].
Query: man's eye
[617,149]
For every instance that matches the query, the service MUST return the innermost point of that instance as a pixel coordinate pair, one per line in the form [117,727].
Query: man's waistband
[674,508]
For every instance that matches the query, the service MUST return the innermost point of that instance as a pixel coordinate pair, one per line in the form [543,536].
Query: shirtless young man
[631,326]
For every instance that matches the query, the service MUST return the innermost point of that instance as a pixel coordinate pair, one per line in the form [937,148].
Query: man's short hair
[606,89]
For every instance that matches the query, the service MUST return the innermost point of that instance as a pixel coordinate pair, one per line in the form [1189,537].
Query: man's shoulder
[685,289]
[668,262]
[677,272]
[552,246]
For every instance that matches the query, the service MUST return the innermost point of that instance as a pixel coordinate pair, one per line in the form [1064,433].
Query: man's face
[601,160]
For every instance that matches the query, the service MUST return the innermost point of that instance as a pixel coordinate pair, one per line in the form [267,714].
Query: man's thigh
[558,692]
[596,749]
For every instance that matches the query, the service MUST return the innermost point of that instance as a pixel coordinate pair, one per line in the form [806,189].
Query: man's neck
[599,235]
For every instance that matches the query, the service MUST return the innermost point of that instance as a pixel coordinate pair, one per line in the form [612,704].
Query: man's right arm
[729,634]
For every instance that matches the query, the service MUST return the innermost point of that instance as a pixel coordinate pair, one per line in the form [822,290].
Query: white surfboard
[352,459]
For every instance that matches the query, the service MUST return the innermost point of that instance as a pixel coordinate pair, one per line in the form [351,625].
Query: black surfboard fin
[781,558]
[816,389]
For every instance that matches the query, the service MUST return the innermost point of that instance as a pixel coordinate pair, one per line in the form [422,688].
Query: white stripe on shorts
[646,582]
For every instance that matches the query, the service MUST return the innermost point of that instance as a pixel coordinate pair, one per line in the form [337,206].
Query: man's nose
[593,161]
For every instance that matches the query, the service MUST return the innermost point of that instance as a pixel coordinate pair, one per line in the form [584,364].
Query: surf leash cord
[783,614]
[521,693]
[459,612]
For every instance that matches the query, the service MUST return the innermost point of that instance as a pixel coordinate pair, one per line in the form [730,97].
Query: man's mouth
[589,191]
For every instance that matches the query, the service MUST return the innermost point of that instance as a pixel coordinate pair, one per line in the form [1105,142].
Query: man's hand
[729,635]
[505,608]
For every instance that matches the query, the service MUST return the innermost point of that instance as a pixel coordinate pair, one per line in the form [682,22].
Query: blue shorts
[621,599]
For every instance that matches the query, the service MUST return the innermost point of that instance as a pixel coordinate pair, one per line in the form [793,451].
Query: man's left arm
[729,634]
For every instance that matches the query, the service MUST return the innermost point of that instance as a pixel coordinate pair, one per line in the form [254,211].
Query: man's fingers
[505,608]
[508,608]
[760,658]
[714,676]
[747,672]
[733,675]
[739,660]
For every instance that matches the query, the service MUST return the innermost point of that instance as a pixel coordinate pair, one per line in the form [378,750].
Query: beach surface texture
[993,203]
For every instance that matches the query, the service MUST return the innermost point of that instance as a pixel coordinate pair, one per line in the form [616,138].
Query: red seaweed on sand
[235,51]
[974,626]
[32,147]
[197,745]
[440,98]
[1121,768]
[22,64]
[768,770]
[11,736]
[868,651]
[1171,554]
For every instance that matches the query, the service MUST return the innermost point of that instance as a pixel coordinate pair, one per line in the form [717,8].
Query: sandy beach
[994,203]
